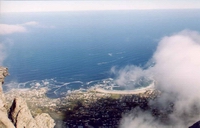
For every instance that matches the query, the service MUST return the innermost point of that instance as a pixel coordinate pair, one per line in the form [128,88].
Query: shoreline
[151,87]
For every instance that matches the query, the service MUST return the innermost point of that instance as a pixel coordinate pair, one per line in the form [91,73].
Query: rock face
[5,121]
[22,118]
[19,115]
[3,74]
[44,121]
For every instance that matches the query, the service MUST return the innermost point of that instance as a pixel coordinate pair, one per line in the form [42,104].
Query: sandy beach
[135,91]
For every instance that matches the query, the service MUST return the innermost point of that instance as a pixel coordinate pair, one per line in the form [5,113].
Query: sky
[56,6]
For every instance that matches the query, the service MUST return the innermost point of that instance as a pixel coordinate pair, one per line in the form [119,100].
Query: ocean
[72,50]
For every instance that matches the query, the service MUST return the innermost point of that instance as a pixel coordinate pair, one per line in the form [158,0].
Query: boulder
[44,121]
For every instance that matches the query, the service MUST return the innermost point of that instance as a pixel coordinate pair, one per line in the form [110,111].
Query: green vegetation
[115,96]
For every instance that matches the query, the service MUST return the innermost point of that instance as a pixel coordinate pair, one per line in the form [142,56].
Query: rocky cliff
[19,115]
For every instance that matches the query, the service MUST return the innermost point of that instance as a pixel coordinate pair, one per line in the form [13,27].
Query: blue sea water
[71,50]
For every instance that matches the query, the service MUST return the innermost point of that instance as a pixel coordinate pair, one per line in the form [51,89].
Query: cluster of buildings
[88,109]
[105,111]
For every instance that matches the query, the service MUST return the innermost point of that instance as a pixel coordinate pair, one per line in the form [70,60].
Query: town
[91,108]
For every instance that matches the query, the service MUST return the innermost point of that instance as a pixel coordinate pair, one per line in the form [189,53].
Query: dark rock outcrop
[196,125]
[19,115]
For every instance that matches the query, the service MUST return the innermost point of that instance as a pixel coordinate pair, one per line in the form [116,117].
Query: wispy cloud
[6,29]
[31,23]
[4,48]
[2,53]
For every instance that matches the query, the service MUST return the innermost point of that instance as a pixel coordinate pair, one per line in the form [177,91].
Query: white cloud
[139,119]
[31,23]
[9,29]
[177,63]
[36,24]
[177,72]
[130,76]
[6,29]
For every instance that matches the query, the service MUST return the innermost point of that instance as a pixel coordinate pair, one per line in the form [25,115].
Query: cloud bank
[176,71]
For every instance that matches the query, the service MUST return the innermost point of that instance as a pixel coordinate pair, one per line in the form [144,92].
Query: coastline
[75,106]
[151,87]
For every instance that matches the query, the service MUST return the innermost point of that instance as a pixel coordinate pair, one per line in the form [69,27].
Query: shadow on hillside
[105,112]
